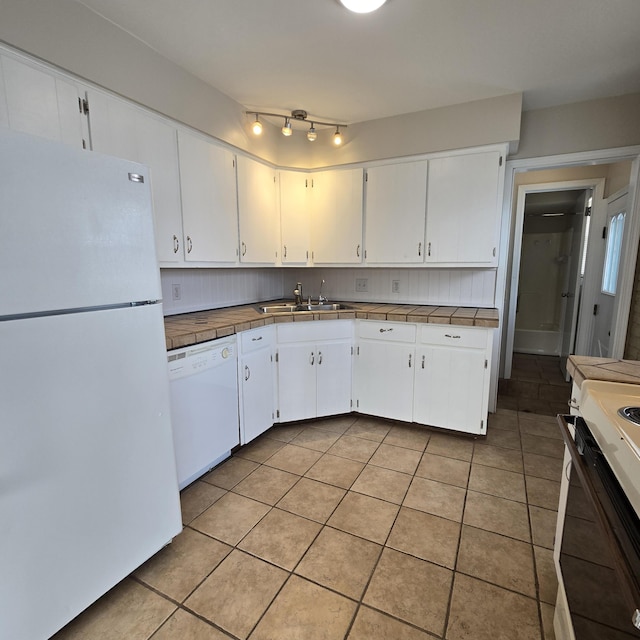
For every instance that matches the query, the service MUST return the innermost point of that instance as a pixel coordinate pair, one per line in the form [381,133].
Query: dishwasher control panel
[206,355]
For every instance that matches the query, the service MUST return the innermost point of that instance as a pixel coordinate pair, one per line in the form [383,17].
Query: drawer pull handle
[256,339]
[312,359]
[383,330]
[448,335]
[247,373]
[573,404]
[409,361]
[176,244]
[319,357]
[189,244]
[423,362]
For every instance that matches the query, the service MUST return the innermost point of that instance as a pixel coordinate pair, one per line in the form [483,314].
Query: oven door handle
[627,580]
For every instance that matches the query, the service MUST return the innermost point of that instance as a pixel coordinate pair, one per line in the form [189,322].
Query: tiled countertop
[190,328]
[583,368]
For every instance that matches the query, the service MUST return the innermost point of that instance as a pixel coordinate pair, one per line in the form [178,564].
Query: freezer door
[88,487]
[76,228]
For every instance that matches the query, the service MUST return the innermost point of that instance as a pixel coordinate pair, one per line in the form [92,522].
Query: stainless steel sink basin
[295,308]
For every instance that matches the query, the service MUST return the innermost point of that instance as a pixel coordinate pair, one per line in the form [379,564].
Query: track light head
[257,126]
[286,129]
[312,134]
[337,137]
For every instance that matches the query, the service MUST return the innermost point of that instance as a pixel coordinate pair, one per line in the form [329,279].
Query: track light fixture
[299,115]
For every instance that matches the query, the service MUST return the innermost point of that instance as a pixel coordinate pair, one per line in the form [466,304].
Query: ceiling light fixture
[337,137]
[312,133]
[297,115]
[362,6]
[257,126]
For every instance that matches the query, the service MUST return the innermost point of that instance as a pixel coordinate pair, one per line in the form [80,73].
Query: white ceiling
[411,55]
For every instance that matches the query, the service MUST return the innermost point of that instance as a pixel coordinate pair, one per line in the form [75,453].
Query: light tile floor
[361,529]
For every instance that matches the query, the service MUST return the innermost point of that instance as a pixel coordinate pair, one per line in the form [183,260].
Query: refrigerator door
[76,228]
[88,487]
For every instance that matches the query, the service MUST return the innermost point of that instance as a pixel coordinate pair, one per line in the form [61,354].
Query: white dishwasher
[204,405]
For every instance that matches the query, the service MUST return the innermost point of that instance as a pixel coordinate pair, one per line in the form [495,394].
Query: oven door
[600,547]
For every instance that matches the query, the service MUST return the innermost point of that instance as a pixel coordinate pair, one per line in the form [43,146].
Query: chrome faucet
[321,298]
[297,292]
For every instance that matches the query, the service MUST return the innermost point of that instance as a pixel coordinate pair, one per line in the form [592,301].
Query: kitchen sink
[291,307]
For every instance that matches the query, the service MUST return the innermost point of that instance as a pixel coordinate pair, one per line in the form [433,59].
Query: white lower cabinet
[436,375]
[256,381]
[314,369]
[385,356]
[451,387]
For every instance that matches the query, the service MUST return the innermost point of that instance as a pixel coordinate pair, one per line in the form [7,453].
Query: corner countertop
[583,368]
[187,329]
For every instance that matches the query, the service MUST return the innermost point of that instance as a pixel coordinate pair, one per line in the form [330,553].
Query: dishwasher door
[203,384]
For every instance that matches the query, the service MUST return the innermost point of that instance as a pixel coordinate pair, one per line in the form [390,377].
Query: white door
[336,229]
[607,272]
[256,371]
[89,489]
[396,200]
[40,103]
[333,385]
[209,205]
[463,216]
[450,388]
[572,287]
[385,379]
[257,212]
[297,381]
[295,218]
[76,226]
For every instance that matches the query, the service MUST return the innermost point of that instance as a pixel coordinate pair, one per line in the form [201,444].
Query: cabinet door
[123,130]
[297,381]
[463,217]
[333,372]
[295,219]
[209,206]
[40,103]
[385,379]
[396,198]
[450,388]
[256,371]
[257,212]
[336,230]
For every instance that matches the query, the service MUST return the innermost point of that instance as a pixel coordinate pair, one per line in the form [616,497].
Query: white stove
[602,405]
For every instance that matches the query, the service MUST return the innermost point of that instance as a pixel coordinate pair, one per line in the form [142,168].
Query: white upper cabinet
[336,227]
[209,205]
[41,103]
[121,129]
[396,199]
[259,228]
[295,218]
[463,216]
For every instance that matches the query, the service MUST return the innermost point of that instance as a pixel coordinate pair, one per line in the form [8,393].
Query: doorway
[551,258]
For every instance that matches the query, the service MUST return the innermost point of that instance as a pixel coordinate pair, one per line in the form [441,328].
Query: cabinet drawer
[451,335]
[387,331]
[256,339]
[314,331]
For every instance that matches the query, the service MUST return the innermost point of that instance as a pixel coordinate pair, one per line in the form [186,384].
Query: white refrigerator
[88,487]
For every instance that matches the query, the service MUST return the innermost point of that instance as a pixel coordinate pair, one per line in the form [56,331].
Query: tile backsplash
[186,290]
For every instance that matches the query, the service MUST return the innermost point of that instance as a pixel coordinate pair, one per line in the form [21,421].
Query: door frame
[597,185]
[602,156]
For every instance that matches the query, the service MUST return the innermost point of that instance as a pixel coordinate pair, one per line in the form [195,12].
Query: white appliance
[204,405]
[88,487]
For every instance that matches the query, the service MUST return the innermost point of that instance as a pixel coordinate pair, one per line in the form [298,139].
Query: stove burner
[630,413]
